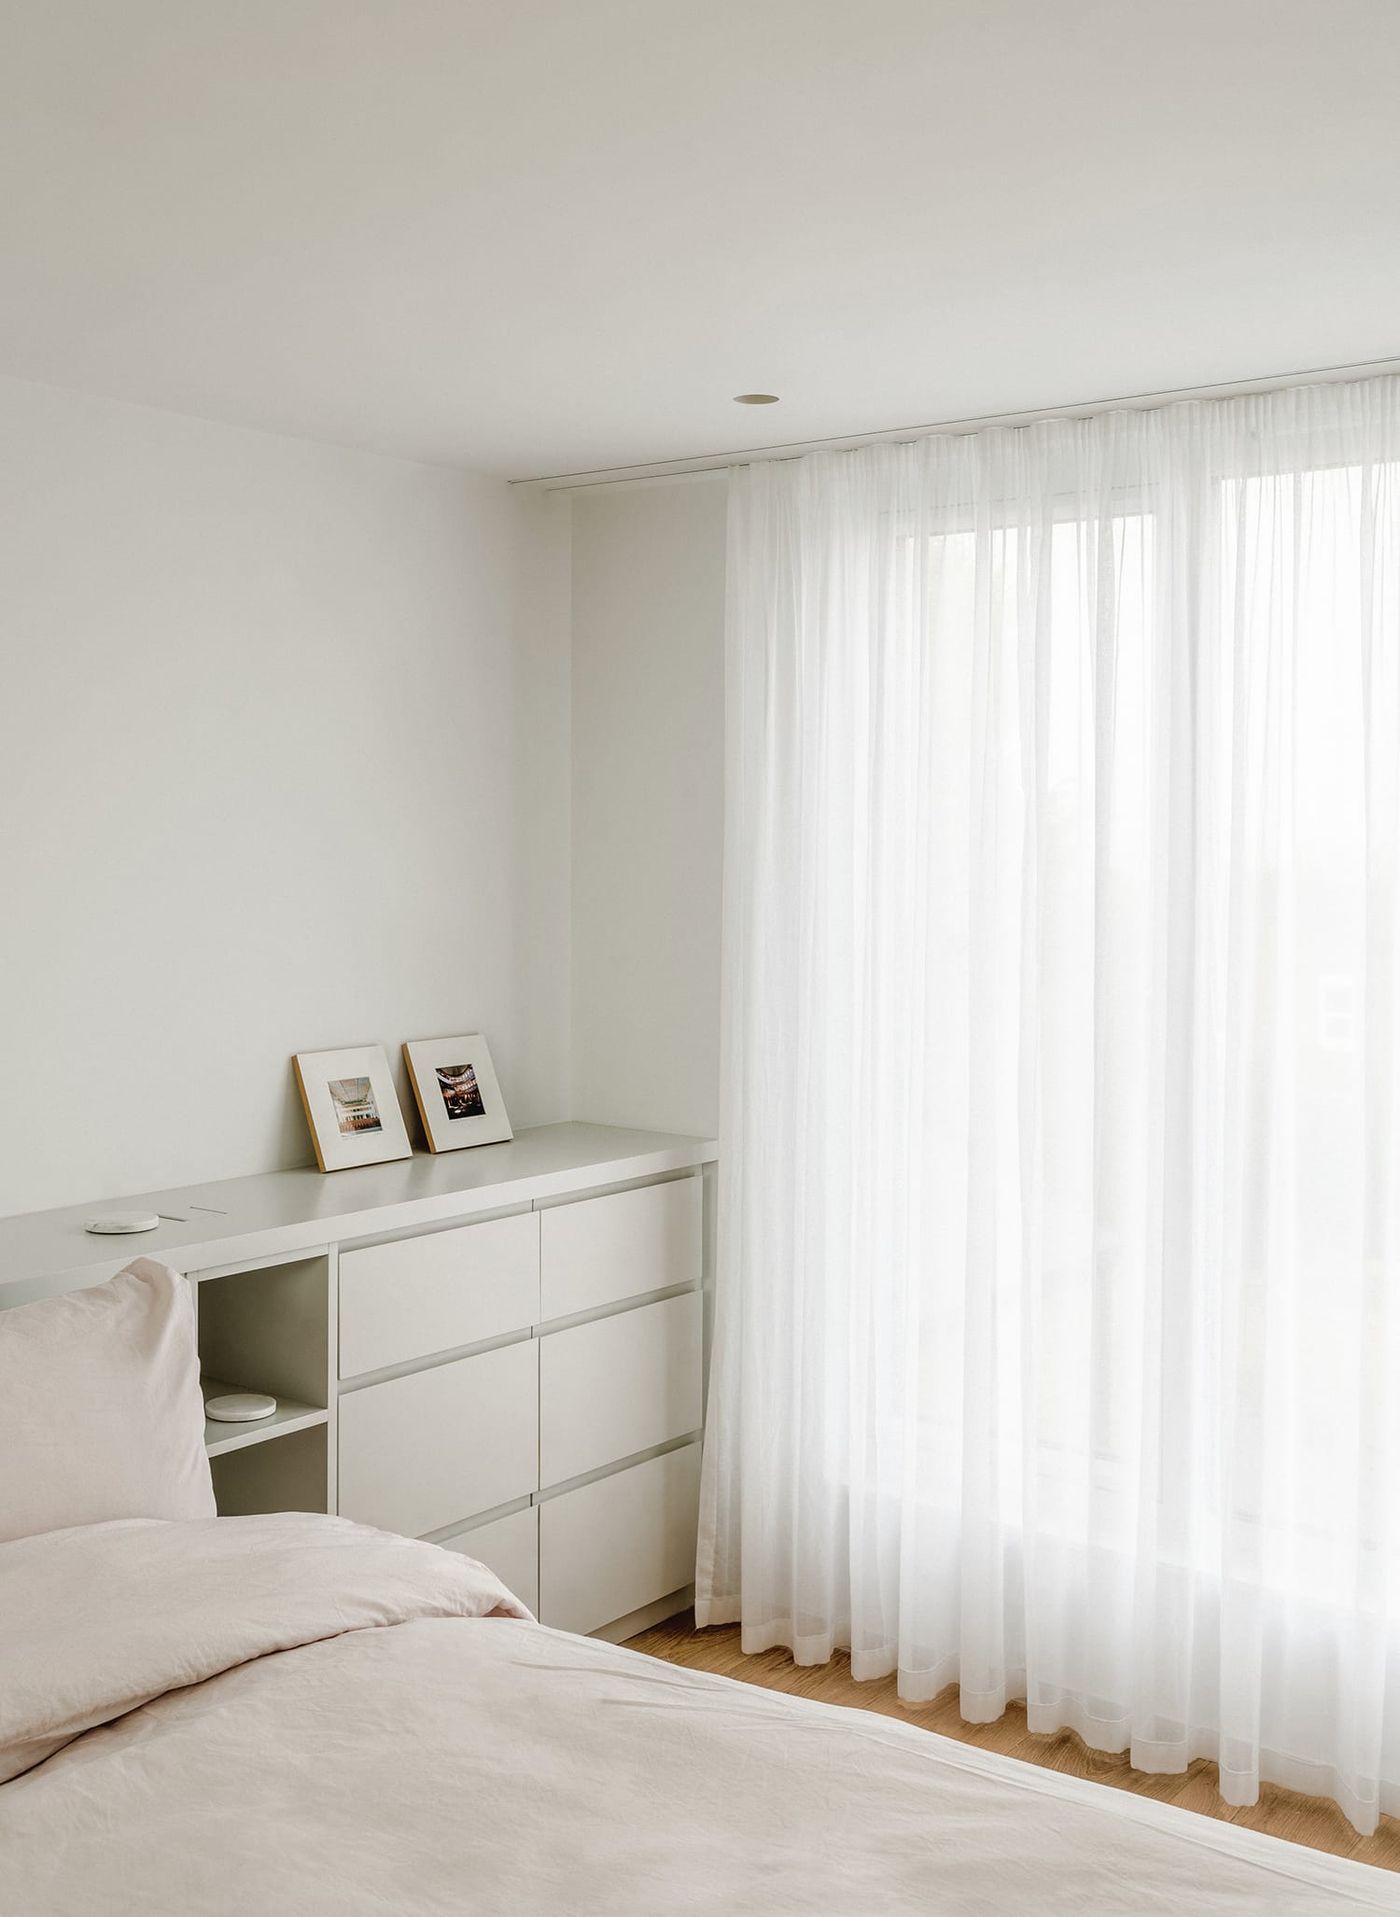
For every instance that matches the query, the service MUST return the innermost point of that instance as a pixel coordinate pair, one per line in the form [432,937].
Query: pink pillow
[100,1408]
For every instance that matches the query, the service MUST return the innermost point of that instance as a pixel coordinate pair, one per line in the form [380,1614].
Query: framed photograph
[351,1107]
[455,1085]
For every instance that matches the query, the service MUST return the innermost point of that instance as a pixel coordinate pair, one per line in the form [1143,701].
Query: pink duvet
[295,1716]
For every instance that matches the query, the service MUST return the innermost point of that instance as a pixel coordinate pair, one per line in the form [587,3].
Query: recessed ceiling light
[755,399]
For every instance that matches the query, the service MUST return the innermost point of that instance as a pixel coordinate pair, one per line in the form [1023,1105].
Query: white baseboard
[637,1621]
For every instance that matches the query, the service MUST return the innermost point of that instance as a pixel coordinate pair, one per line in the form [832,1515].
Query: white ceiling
[546,235]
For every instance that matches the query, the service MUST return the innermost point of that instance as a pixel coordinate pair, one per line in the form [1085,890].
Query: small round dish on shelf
[240,1407]
[113,1223]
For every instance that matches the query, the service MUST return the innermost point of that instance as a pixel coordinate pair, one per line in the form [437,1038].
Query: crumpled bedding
[302,1717]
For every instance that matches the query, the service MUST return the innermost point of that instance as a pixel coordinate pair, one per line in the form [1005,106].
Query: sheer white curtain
[1058,1330]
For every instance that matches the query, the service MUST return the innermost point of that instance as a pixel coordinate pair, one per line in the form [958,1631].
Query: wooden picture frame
[351,1106]
[457,1092]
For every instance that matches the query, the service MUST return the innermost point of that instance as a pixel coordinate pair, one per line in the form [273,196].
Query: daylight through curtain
[1058,1330]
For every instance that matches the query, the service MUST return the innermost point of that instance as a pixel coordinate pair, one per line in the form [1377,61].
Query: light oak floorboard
[1287,1814]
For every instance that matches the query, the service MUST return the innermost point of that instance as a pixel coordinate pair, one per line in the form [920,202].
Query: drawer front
[422,1452]
[510,1548]
[414,1297]
[618,1385]
[612,1546]
[601,1250]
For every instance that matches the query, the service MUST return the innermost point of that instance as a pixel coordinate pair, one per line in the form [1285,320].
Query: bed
[295,1714]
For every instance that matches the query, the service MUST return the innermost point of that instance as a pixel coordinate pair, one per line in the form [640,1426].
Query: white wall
[284,751]
[648,810]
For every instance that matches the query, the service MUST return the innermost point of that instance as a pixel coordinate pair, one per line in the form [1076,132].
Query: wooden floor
[1302,1820]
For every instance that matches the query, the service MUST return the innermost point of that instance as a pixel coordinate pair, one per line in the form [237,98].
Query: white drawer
[413,1297]
[600,1250]
[618,1385]
[422,1452]
[619,1543]
[510,1548]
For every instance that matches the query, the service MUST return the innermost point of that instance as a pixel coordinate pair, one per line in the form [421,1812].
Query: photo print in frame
[454,1083]
[351,1106]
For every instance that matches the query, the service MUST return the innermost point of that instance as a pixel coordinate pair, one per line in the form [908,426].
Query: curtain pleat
[1057,1348]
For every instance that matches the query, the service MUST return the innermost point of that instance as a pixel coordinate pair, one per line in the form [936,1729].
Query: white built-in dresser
[502,1350]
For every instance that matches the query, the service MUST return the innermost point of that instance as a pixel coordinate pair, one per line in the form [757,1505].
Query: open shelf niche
[268,1328]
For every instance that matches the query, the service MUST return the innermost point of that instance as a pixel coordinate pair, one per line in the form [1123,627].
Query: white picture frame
[457,1092]
[351,1106]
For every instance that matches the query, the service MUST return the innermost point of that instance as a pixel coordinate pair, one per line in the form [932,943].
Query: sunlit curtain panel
[1058,1344]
